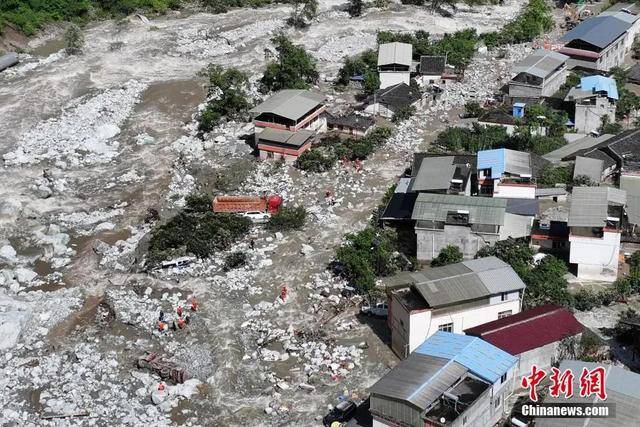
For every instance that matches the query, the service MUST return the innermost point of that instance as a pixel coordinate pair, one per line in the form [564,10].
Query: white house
[450,380]
[386,102]
[451,299]
[595,98]
[594,221]
[394,63]
[505,173]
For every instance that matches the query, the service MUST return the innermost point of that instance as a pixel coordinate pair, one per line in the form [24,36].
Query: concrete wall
[597,258]
[430,242]
[613,55]
[516,226]
[390,78]
[379,110]
[588,118]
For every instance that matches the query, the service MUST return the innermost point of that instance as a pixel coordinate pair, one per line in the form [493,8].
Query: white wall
[597,259]
[390,78]
[516,226]
[378,109]
[514,191]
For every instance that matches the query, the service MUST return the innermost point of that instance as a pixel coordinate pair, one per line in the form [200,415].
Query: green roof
[482,210]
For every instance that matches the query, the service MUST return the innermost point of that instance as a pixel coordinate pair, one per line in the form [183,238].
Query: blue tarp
[481,358]
[600,84]
[492,159]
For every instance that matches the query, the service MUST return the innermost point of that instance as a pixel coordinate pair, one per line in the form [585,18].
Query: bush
[74,40]
[473,109]
[288,218]
[535,19]
[294,68]
[234,260]
[448,255]
[315,160]
[551,175]
[403,114]
[197,231]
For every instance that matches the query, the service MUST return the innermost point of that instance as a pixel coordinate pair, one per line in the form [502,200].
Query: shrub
[234,260]
[534,20]
[552,175]
[403,114]
[294,67]
[315,161]
[448,255]
[288,218]
[74,40]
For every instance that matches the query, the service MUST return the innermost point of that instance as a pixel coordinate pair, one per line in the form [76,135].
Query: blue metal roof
[599,31]
[520,104]
[600,84]
[481,358]
[494,160]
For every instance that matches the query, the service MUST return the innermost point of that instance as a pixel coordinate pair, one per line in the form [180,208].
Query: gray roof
[618,7]
[290,103]
[589,205]
[517,162]
[482,210]
[631,184]
[526,207]
[419,379]
[464,281]
[569,150]
[8,60]
[599,31]
[395,53]
[623,391]
[397,96]
[286,137]
[435,173]
[623,16]
[432,65]
[587,166]
[540,63]
[553,191]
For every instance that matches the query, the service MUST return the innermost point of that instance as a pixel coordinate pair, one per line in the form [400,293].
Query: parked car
[380,309]
[257,217]
[342,412]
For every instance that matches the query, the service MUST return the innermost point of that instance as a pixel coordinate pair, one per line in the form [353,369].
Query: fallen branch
[83,413]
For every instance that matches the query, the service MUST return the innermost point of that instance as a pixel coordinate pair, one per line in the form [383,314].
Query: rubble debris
[167,370]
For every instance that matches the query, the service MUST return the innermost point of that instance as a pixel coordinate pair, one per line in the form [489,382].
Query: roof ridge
[468,273]
[520,322]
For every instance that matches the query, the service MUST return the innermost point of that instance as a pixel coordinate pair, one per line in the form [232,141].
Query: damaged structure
[394,64]
[595,100]
[451,299]
[538,76]
[388,101]
[450,380]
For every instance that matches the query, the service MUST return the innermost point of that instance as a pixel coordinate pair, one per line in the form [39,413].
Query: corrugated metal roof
[295,139]
[586,166]
[567,151]
[529,329]
[435,174]
[623,16]
[419,379]
[589,205]
[553,191]
[482,210]
[527,207]
[290,103]
[432,65]
[623,391]
[481,358]
[600,84]
[465,281]
[631,184]
[502,160]
[599,31]
[395,53]
[540,63]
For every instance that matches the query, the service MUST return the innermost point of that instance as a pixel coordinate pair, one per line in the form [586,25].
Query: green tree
[473,109]
[607,127]
[515,252]
[303,12]
[448,255]
[403,114]
[227,94]
[546,284]
[634,262]
[74,40]
[371,82]
[315,160]
[551,175]
[294,68]
[288,218]
[355,7]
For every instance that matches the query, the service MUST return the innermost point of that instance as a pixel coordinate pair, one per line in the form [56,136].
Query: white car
[380,309]
[257,217]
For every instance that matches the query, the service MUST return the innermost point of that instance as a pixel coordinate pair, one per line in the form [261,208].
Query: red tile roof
[529,329]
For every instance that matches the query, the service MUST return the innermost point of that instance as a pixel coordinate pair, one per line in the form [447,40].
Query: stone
[7,253]
[24,275]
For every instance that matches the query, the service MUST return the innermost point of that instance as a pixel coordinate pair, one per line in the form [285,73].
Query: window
[504,314]
[447,327]
[464,420]
[504,296]
[503,378]
[496,403]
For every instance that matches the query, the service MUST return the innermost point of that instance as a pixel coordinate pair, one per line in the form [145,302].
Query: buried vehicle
[159,365]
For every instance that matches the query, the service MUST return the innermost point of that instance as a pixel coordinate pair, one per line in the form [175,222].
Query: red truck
[243,204]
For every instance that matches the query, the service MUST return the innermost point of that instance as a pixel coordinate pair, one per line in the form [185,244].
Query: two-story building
[451,299]
[505,173]
[394,63]
[598,43]
[595,216]
[538,76]
[286,123]
[595,99]
[628,12]
[450,380]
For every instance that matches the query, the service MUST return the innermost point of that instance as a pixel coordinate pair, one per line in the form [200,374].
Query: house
[627,12]
[291,110]
[505,173]
[533,336]
[394,64]
[450,298]
[595,98]
[467,222]
[519,216]
[433,70]
[430,174]
[595,216]
[386,102]
[577,148]
[283,144]
[623,394]
[539,75]
[590,168]
[498,118]
[354,125]
[450,380]
[598,43]
[550,231]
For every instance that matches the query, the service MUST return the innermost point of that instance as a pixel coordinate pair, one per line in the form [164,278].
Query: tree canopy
[293,68]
